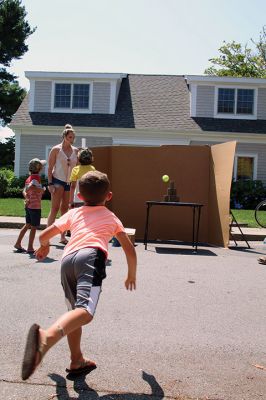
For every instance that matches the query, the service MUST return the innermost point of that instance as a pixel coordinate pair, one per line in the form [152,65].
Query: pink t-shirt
[33,197]
[90,227]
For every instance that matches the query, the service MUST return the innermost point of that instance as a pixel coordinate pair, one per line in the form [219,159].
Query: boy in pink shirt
[32,194]
[82,271]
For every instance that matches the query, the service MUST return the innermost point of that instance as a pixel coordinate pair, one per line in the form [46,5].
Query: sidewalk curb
[251,234]
[17,225]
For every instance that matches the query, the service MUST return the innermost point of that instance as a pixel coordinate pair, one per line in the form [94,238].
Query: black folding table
[195,218]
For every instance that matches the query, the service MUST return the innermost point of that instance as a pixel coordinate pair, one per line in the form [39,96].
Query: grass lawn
[246,217]
[15,207]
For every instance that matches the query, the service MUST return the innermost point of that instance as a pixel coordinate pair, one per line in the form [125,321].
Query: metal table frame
[195,222]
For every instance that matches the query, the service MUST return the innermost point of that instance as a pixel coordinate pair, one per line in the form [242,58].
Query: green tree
[240,61]
[14,30]
[7,153]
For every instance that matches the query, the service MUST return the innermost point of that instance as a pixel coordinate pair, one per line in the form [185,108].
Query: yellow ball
[165,178]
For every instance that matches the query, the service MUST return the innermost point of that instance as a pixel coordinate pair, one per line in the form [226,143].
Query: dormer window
[72,96]
[235,101]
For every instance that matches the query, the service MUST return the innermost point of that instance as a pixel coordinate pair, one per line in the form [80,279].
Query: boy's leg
[74,339]
[31,238]
[65,325]
[21,235]
[35,217]
[69,322]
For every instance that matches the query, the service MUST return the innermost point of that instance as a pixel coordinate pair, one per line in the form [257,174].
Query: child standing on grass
[82,271]
[85,159]
[32,194]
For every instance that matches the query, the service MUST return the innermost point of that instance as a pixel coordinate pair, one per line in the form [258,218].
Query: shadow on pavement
[174,250]
[245,249]
[87,393]
[47,260]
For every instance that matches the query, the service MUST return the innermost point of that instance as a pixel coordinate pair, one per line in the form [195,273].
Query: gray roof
[159,102]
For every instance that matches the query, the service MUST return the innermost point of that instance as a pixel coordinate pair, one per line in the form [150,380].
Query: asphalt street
[194,328]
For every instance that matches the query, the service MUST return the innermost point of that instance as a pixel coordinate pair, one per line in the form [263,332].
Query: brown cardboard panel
[136,178]
[103,159]
[202,174]
[221,168]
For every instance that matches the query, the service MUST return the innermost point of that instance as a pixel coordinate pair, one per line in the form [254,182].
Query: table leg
[193,228]
[197,230]
[146,226]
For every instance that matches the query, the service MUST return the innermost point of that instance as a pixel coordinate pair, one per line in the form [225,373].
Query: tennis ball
[165,178]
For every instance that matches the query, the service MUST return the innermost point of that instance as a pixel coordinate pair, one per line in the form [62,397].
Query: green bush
[12,186]
[19,182]
[13,192]
[9,173]
[3,183]
[247,194]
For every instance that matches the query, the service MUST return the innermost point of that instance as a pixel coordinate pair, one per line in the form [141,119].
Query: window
[245,101]
[72,96]
[62,95]
[245,167]
[235,101]
[226,100]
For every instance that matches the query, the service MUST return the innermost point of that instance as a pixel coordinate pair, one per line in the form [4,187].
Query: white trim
[133,141]
[112,104]
[48,148]
[32,95]
[72,110]
[17,153]
[196,134]
[235,115]
[193,100]
[250,155]
[72,75]
[224,79]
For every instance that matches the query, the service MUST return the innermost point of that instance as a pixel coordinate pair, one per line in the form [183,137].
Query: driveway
[194,329]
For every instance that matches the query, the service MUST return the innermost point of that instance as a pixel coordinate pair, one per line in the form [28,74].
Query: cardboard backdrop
[202,174]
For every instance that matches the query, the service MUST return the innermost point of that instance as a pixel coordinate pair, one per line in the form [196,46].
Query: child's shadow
[86,393]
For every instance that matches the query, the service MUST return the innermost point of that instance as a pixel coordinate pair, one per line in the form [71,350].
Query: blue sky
[134,36]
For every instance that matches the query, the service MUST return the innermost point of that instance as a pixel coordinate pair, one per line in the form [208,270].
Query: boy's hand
[42,252]
[129,249]
[130,283]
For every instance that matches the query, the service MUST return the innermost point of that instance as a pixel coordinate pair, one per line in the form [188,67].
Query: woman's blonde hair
[68,129]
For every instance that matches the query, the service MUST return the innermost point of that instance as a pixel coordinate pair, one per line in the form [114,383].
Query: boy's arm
[24,194]
[131,256]
[44,238]
[72,191]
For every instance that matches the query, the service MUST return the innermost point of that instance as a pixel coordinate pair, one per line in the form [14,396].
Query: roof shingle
[159,102]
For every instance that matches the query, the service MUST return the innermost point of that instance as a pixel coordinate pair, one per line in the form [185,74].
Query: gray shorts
[82,273]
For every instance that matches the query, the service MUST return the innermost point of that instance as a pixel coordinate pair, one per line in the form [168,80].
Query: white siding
[42,98]
[205,101]
[101,98]
[262,104]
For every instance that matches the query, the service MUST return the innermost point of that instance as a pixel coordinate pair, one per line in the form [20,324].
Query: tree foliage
[241,61]
[7,153]
[14,30]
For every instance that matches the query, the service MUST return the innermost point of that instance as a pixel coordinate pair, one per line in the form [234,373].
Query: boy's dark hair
[85,157]
[35,165]
[93,187]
